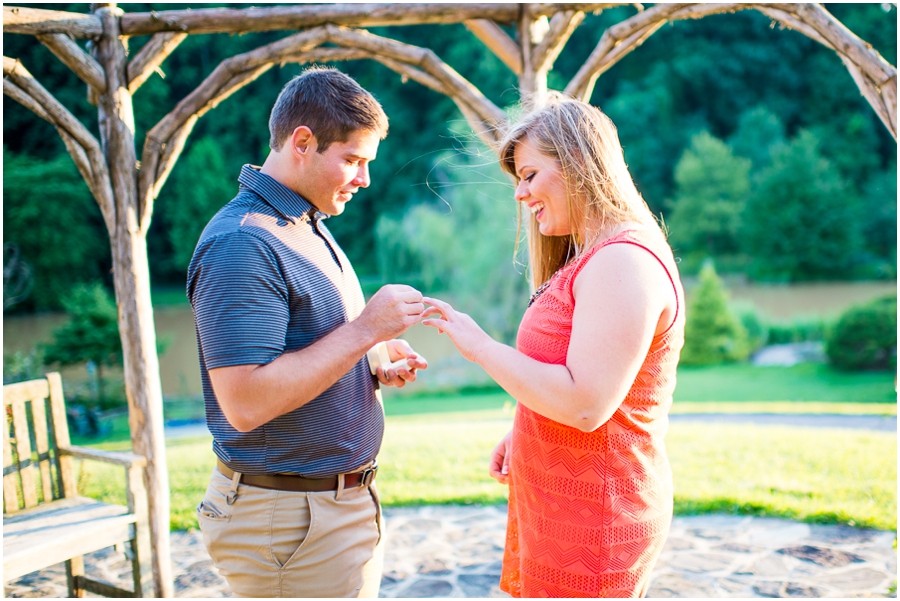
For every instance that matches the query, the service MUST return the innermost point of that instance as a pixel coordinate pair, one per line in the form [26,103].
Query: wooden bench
[45,521]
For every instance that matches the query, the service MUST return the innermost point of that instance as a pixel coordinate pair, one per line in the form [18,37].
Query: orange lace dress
[589,512]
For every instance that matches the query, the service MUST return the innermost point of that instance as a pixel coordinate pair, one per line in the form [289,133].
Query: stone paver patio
[455,551]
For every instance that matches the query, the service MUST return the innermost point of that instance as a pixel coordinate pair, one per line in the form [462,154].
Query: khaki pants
[271,543]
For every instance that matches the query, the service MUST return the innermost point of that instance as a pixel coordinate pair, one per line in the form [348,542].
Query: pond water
[180,370]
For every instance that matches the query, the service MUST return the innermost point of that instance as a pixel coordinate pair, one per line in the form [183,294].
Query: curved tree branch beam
[32,21]
[407,71]
[165,156]
[872,95]
[622,38]
[23,98]
[498,42]
[224,20]
[789,21]
[562,26]
[429,62]
[228,77]
[172,149]
[150,57]
[80,62]
[25,87]
[488,134]
[77,152]
[873,75]
[844,41]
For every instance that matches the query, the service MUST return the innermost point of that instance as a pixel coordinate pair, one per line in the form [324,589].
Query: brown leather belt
[301,484]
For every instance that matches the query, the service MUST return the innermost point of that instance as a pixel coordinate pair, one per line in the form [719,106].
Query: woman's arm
[623,297]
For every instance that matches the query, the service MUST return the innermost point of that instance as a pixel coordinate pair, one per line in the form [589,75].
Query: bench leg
[141,559]
[141,566]
[74,568]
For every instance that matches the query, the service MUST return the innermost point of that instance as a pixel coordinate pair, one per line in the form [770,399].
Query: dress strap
[634,238]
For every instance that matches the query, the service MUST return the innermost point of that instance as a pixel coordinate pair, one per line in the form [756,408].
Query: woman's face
[542,188]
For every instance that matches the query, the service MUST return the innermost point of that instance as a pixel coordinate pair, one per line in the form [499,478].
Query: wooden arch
[125,189]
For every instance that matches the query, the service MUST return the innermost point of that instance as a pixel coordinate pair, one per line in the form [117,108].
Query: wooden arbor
[125,188]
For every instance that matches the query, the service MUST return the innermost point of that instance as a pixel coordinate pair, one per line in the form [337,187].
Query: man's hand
[467,335]
[391,311]
[400,349]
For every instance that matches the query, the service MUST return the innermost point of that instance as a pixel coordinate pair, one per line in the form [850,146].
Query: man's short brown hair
[329,103]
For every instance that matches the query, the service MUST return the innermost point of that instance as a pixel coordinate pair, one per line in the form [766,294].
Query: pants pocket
[208,511]
[293,522]
[379,518]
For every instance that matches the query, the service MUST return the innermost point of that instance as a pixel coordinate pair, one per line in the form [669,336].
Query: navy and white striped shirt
[267,278]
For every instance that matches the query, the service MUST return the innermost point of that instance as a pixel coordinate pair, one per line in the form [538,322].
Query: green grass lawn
[816,475]
[436,450]
[804,382]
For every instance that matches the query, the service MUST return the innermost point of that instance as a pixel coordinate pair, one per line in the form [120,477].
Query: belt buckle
[368,476]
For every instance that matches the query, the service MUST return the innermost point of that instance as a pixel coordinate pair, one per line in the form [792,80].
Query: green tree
[202,186]
[49,213]
[758,130]
[878,219]
[799,222]
[712,333]
[865,337]
[90,335]
[711,189]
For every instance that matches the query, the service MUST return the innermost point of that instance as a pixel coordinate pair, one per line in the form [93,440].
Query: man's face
[331,178]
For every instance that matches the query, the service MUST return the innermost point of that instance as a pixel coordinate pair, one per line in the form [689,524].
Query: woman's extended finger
[444,307]
[432,311]
[440,324]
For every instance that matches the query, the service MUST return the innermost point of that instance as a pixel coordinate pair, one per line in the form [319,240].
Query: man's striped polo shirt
[268,278]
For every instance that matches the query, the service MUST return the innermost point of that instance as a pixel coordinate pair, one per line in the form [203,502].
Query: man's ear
[303,142]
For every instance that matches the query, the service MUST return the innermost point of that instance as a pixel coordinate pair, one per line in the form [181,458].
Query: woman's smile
[542,188]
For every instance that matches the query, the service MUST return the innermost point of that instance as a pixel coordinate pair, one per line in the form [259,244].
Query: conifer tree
[712,334]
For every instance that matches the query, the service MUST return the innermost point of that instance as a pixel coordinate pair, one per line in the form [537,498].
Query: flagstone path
[455,551]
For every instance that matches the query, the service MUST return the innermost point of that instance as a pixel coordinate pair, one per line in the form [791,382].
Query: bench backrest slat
[24,470]
[61,435]
[10,477]
[39,415]
[23,452]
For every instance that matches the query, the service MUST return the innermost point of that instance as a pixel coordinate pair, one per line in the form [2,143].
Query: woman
[593,371]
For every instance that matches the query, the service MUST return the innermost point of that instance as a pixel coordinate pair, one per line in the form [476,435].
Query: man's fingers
[410,296]
[414,308]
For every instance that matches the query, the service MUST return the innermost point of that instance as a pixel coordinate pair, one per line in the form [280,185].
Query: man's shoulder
[247,213]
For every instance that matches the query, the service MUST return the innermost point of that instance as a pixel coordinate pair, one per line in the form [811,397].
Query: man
[283,330]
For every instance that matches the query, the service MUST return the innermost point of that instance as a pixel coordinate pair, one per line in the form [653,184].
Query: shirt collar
[285,201]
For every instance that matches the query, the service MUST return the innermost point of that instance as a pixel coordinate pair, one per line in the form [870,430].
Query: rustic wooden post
[132,283]
[531,29]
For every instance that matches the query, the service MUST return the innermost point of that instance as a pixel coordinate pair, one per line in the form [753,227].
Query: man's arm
[252,395]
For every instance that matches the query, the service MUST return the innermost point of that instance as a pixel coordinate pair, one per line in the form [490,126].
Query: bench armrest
[122,458]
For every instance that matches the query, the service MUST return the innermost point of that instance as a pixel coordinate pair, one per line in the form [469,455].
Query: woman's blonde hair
[600,192]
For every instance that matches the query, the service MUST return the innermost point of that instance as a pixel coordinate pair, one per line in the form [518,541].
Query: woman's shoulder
[627,251]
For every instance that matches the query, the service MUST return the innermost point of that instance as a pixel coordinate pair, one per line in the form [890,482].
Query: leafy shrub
[757,328]
[712,334]
[798,330]
[865,337]
[20,366]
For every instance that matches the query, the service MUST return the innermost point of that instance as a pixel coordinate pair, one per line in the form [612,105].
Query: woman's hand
[499,467]
[401,376]
[468,337]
